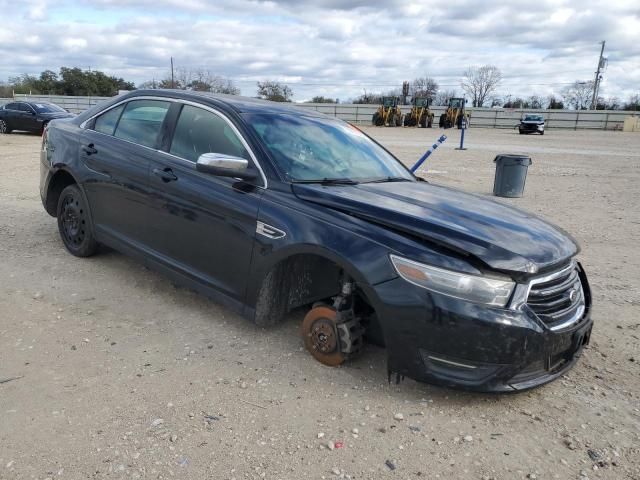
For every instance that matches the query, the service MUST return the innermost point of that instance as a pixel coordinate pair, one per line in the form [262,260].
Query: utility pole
[173,85]
[596,82]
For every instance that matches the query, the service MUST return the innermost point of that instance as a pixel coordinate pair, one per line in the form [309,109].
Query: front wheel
[320,335]
[74,223]
[4,128]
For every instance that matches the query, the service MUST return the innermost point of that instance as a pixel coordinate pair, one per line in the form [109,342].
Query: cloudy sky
[335,48]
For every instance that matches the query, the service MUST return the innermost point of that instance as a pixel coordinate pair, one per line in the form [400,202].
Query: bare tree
[535,101]
[480,82]
[578,94]
[424,87]
[200,80]
[274,91]
[443,96]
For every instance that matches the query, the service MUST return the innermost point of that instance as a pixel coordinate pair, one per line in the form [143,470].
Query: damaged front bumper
[441,340]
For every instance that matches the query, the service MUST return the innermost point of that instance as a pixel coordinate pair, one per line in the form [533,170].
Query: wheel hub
[73,220]
[323,336]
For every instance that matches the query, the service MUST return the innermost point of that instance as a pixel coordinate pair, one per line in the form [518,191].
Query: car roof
[233,102]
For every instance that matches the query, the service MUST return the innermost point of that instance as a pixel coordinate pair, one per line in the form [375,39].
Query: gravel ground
[116,373]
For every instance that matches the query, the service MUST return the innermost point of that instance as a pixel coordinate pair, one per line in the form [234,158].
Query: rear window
[141,121]
[106,123]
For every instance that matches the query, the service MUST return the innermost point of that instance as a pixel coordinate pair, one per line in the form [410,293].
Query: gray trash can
[511,173]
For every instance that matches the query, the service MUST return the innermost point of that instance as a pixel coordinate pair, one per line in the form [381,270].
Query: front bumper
[531,127]
[441,340]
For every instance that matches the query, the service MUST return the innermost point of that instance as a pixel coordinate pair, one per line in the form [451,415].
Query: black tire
[521,131]
[542,132]
[430,122]
[74,223]
[407,120]
[399,120]
[423,121]
[443,119]
[4,127]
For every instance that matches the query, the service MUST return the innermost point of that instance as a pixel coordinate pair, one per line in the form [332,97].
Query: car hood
[503,237]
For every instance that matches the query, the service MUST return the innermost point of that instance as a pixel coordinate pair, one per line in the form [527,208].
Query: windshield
[315,149]
[533,118]
[47,108]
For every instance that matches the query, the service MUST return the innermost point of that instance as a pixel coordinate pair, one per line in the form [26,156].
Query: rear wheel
[423,121]
[542,132]
[443,119]
[398,120]
[4,128]
[74,223]
[430,122]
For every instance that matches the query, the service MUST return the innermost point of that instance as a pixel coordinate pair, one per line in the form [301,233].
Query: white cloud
[331,47]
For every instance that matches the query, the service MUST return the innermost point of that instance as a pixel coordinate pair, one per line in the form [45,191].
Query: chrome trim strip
[111,107]
[449,362]
[83,125]
[268,231]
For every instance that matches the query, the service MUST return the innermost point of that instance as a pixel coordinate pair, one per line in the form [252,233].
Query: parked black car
[266,207]
[29,116]
[531,123]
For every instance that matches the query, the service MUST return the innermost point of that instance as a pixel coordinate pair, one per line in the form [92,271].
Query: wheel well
[301,280]
[61,179]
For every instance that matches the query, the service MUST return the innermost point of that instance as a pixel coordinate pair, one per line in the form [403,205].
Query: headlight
[473,288]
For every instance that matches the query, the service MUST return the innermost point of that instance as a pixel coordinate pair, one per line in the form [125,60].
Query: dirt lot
[119,374]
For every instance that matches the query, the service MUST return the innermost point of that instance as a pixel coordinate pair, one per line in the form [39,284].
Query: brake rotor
[320,335]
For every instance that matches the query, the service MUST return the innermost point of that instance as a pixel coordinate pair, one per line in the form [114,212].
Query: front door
[205,224]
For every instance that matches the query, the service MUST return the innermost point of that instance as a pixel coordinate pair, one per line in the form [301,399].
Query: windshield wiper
[329,181]
[390,179]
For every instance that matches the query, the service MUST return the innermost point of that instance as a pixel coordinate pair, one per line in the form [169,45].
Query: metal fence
[361,114]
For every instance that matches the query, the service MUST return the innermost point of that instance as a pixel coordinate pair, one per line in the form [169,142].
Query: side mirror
[225,166]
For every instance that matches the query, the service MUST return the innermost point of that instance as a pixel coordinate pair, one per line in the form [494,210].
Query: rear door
[204,223]
[118,148]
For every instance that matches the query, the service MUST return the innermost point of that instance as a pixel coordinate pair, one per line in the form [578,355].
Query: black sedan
[29,116]
[531,123]
[266,208]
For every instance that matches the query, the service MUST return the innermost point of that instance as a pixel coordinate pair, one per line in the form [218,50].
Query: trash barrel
[511,173]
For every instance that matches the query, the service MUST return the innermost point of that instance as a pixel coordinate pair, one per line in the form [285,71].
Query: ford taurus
[266,207]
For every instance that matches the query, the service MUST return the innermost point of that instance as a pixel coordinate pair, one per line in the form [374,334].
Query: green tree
[321,99]
[274,91]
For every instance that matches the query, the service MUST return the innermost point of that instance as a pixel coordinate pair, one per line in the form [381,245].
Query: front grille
[558,298]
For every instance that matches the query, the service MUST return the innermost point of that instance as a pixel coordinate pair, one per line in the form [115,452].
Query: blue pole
[427,153]
[462,136]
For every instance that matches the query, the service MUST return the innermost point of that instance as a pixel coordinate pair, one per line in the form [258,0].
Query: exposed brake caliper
[349,326]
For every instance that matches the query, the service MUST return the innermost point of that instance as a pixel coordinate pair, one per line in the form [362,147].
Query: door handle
[165,174]
[89,149]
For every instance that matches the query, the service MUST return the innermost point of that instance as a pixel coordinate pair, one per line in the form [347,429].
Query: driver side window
[200,131]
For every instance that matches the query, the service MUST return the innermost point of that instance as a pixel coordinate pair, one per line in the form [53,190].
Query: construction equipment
[388,114]
[420,114]
[455,114]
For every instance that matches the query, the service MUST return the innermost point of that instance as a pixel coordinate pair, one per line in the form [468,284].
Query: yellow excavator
[455,114]
[420,114]
[388,114]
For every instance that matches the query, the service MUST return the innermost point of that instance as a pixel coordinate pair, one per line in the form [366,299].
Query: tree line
[479,84]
